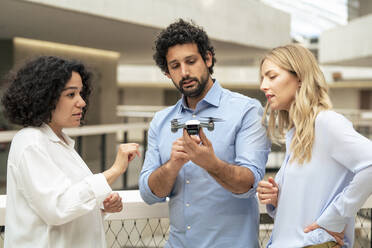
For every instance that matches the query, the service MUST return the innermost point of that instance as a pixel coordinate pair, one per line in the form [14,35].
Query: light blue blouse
[323,190]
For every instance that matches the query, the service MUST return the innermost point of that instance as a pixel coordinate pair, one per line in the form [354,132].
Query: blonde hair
[311,98]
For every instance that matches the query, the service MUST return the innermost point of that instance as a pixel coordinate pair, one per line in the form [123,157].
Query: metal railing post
[79,144]
[103,152]
[144,144]
[125,175]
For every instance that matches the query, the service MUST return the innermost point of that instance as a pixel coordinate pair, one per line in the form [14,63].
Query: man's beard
[199,87]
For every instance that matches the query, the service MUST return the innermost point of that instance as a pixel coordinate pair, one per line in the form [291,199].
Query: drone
[193,126]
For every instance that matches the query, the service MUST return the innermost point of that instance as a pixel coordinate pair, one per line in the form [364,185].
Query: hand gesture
[178,155]
[126,153]
[200,150]
[268,192]
[339,237]
[113,203]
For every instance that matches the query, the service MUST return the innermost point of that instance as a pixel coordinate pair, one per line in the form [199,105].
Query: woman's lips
[269,97]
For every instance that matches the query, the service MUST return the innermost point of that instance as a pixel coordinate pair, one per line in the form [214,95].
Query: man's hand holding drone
[200,150]
[179,157]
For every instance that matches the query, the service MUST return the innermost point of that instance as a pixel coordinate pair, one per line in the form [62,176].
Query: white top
[323,190]
[53,198]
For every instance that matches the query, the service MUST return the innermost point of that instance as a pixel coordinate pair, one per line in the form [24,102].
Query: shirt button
[187,181]
[188,227]
[187,205]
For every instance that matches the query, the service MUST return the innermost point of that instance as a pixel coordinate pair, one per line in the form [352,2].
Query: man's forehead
[182,51]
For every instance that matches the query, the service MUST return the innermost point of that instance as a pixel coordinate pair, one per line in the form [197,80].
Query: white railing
[7,136]
[137,110]
[127,228]
[136,208]
[357,116]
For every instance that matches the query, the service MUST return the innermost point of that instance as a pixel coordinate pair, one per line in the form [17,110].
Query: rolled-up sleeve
[151,163]
[252,145]
[51,194]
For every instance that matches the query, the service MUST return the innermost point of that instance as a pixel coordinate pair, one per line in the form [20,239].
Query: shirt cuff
[331,220]
[146,193]
[101,189]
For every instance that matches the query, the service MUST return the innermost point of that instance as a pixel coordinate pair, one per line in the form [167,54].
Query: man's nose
[184,70]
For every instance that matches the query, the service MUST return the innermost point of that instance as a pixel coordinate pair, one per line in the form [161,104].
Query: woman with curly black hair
[53,199]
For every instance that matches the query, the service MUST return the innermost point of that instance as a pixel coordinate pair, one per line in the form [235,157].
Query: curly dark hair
[35,88]
[182,32]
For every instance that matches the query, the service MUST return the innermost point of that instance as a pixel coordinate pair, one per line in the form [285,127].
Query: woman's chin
[74,124]
[274,107]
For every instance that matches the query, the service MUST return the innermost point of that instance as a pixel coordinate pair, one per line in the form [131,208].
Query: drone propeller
[175,125]
[175,121]
[214,119]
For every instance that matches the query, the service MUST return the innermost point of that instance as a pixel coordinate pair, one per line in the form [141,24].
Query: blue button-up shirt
[202,212]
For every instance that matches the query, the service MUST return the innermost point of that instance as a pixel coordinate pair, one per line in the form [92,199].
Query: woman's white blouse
[328,190]
[53,199]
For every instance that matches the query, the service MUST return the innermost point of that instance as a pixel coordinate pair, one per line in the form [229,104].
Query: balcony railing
[142,225]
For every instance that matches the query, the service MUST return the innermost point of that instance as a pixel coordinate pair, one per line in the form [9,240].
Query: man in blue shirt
[210,179]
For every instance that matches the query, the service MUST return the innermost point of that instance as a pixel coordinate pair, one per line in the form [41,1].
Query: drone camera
[192,129]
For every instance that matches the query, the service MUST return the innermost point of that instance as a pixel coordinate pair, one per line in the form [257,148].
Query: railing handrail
[140,108]
[144,111]
[154,108]
[136,208]
[7,136]
[359,117]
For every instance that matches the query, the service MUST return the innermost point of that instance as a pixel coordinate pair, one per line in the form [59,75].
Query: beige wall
[345,98]
[142,96]
[365,7]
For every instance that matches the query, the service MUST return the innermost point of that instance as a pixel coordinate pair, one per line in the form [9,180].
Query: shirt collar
[47,130]
[212,97]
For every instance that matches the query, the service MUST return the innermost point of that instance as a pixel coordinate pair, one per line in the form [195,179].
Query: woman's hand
[113,203]
[268,192]
[339,237]
[126,153]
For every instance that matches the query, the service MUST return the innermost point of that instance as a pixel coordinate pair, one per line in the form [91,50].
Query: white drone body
[193,126]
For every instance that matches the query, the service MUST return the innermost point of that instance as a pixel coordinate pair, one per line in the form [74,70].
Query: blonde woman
[325,177]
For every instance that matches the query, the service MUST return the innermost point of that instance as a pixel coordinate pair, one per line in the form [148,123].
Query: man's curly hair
[178,33]
[35,88]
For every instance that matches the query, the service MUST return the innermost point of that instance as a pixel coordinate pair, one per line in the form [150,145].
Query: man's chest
[222,136]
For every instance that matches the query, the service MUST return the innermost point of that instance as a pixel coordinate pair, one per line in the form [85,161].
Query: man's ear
[208,59]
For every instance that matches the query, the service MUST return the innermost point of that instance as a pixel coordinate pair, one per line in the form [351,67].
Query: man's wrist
[172,167]
[218,168]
